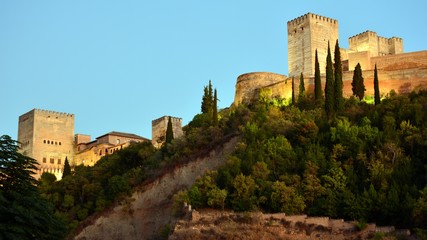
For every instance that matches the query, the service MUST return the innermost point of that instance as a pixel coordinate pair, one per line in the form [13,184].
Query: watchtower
[306,34]
[159,127]
[47,136]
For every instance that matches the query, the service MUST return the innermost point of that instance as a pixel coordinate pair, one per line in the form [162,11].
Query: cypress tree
[301,86]
[339,100]
[329,86]
[207,99]
[67,168]
[318,95]
[215,109]
[376,87]
[169,131]
[358,87]
[293,91]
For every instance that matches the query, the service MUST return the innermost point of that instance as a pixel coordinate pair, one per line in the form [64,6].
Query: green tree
[23,213]
[301,87]
[329,86]
[215,109]
[293,91]
[376,87]
[318,95]
[286,199]
[207,99]
[339,100]
[243,197]
[358,87]
[67,168]
[169,131]
[216,197]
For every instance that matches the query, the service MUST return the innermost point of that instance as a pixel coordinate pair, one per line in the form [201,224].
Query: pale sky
[118,65]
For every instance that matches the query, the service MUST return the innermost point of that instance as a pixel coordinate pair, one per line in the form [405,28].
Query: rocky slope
[148,210]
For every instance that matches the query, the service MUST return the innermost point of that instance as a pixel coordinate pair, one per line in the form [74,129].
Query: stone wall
[306,34]
[48,137]
[249,85]
[159,127]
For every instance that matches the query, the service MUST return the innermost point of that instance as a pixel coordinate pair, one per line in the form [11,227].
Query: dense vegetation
[23,213]
[368,163]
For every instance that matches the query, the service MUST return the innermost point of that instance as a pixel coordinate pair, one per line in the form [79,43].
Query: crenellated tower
[48,137]
[306,34]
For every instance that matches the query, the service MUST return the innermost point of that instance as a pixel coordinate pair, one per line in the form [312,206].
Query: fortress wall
[400,61]
[248,86]
[359,57]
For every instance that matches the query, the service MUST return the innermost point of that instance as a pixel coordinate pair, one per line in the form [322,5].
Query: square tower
[306,34]
[159,127]
[48,137]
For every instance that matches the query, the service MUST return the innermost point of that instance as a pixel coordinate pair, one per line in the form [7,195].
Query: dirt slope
[148,210]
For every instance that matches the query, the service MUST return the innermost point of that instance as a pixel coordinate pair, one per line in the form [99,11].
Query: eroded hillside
[148,210]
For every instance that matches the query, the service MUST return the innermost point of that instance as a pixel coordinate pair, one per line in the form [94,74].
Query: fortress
[398,71]
[48,137]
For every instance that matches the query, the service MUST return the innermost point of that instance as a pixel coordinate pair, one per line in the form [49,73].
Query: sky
[118,65]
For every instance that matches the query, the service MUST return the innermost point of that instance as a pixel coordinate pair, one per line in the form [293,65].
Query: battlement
[52,113]
[159,120]
[309,16]
[366,33]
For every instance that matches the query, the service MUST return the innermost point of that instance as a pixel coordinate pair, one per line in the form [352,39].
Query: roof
[122,134]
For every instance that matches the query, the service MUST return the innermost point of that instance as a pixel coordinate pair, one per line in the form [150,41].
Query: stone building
[397,70]
[159,127]
[89,152]
[48,137]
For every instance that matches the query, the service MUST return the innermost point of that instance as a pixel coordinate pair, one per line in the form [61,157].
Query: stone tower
[47,136]
[159,127]
[306,34]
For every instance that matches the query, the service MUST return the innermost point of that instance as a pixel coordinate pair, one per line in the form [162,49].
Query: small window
[100,152]
[44,141]
[44,160]
[56,143]
[59,161]
[51,142]
[52,160]
[59,143]
[48,142]
[118,141]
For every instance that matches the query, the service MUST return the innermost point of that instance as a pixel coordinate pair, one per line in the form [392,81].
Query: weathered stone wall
[306,34]
[400,61]
[249,85]
[49,138]
[159,127]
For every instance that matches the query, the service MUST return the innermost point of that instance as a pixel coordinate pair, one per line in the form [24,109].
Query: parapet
[53,113]
[165,118]
[308,16]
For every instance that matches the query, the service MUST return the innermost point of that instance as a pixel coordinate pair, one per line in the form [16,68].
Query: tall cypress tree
[207,99]
[358,87]
[293,91]
[215,109]
[169,131]
[339,100]
[376,87]
[329,86]
[67,168]
[301,86]
[318,95]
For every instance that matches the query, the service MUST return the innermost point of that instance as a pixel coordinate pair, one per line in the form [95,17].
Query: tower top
[313,16]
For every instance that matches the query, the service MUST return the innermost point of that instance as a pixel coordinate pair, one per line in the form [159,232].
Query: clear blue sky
[117,65]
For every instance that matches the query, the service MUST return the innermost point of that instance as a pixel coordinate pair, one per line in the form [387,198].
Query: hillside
[150,209]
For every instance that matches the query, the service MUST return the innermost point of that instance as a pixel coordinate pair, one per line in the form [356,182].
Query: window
[100,152]
[118,141]
[59,161]
[56,143]
[52,160]
[44,141]
[59,143]
[48,142]
[44,160]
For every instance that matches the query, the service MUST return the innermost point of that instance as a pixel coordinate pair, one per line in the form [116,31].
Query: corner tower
[306,34]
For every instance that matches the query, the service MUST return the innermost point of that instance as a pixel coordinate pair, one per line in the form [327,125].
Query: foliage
[169,131]
[23,213]
[358,87]
[301,87]
[338,85]
[318,94]
[330,85]
[293,91]
[376,87]
[67,168]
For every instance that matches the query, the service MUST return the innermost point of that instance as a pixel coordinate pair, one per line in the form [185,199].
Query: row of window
[52,161]
[112,150]
[51,142]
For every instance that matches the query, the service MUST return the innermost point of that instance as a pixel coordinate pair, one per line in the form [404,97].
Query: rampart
[159,127]
[249,86]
